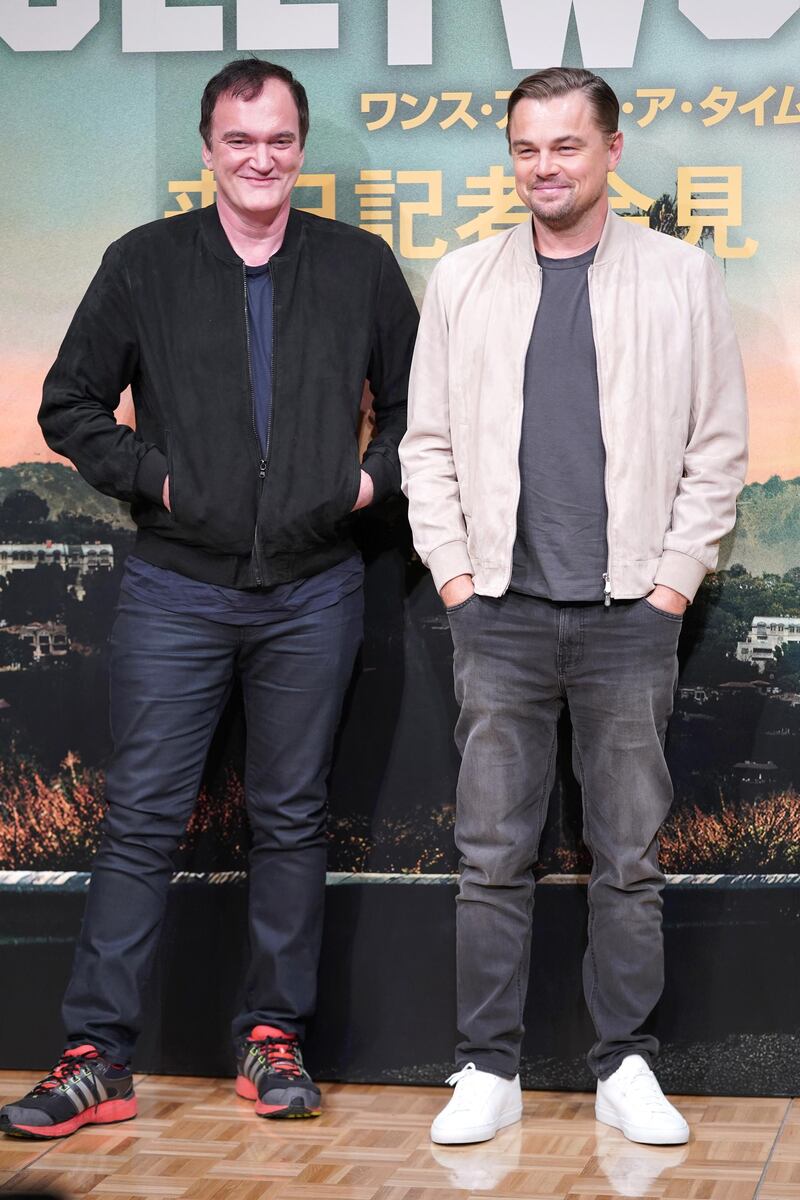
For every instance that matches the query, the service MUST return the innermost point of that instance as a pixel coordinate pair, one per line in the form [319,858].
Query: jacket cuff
[384,477]
[681,572]
[449,560]
[150,475]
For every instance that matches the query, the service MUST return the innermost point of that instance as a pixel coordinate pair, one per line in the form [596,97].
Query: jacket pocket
[213,495]
[312,509]
[346,495]
[173,488]
[149,513]
[355,485]
[460,440]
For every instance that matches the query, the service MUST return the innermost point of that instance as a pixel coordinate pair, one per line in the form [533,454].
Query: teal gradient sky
[90,139]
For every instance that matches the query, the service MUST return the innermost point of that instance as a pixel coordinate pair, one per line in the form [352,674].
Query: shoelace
[455,1078]
[473,1087]
[282,1055]
[645,1087]
[68,1065]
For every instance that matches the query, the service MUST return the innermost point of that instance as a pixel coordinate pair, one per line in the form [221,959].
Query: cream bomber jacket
[673,408]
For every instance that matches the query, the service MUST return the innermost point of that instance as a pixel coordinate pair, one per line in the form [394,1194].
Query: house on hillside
[765,635]
[85,558]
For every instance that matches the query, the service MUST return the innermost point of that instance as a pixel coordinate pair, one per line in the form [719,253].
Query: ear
[206,153]
[615,149]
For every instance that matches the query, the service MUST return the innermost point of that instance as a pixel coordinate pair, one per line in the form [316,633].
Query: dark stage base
[728,1020]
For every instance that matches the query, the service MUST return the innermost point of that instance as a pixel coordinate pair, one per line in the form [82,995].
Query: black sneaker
[271,1072]
[82,1089]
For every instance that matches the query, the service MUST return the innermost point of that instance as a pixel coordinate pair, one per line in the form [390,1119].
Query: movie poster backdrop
[407,97]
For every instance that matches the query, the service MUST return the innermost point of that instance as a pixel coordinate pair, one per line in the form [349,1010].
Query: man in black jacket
[246,331]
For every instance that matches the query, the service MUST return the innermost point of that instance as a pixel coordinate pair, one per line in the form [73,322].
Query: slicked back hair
[560,81]
[244,78]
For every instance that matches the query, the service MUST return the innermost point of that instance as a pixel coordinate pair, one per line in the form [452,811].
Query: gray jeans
[517,661]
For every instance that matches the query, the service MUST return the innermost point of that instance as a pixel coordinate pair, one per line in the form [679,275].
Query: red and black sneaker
[82,1089]
[271,1072]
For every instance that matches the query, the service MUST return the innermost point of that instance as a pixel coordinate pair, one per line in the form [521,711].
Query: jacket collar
[613,240]
[218,243]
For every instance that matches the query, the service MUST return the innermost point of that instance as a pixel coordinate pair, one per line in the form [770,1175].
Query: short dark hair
[244,78]
[559,81]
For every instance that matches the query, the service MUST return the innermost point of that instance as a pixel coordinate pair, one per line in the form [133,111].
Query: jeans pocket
[454,608]
[666,616]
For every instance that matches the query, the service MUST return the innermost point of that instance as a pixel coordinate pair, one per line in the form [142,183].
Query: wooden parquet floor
[194,1138]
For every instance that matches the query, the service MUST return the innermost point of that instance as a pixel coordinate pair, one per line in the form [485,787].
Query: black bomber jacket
[167,315]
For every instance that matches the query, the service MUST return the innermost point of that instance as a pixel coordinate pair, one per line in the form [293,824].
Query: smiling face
[255,152]
[561,160]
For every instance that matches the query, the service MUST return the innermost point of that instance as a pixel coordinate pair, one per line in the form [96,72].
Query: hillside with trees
[64,492]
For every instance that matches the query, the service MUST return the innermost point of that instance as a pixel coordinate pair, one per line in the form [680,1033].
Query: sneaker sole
[478,1133]
[246,1089]
[110,1112]
[635,1133]
[284,1112]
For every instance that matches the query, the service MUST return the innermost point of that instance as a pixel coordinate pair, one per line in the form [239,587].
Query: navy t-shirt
[259,323]
[169,590]
[161,588]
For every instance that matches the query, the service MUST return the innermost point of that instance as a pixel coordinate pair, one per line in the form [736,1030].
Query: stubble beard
[565,215]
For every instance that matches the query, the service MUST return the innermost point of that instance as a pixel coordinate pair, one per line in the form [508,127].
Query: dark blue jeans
[518,660]
[170,677]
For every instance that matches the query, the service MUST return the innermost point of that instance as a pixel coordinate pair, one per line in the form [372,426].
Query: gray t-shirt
[561,551]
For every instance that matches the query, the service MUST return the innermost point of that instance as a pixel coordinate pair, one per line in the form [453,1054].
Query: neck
[568,243]
[254,238]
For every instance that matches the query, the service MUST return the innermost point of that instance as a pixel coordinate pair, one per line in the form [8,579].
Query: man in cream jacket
[576,444]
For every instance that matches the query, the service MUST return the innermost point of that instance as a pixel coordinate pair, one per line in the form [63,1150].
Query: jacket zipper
[263,455]
[607,594]
[268,446]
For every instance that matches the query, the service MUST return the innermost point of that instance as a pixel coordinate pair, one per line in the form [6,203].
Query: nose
[546,164]
[262,157]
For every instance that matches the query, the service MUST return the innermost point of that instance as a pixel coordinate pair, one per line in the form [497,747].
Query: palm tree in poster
[663,216]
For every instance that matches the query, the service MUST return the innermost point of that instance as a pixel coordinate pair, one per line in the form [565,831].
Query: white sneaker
[631,1100]
[481,1104]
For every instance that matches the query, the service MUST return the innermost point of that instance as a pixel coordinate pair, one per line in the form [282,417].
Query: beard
[566,212]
